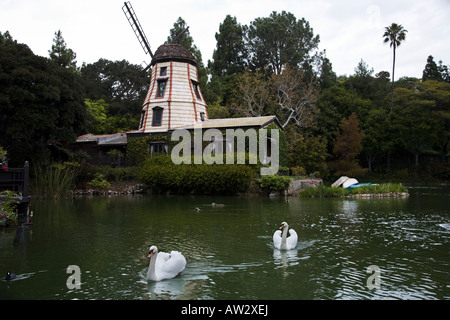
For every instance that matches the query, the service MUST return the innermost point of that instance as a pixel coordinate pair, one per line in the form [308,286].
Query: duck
[10,276]
[164,265]
[219,205]
[282,241]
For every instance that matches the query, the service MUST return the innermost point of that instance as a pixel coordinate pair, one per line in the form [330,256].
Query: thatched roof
[173,52]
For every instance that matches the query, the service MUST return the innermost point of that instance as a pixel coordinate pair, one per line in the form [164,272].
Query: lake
[405,243]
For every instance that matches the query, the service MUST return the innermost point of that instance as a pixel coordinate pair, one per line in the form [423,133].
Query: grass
[53,181]
[324,191]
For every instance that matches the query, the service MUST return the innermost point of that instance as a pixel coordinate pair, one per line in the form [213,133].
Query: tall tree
[178,34]
[41,103]
[431,71]
[394,34]
[230,55]
[63,56]
[281,39]
[347,147]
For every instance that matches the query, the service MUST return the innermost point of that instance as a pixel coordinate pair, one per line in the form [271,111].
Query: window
[158,147]
[196,89]
[163,71]
[202,116]
[157,116]
[142,119]
[161,88]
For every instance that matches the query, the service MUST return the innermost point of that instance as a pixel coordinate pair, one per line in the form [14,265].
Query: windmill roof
[173,52]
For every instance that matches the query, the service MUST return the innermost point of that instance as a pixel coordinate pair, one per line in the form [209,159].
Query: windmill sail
[136,26]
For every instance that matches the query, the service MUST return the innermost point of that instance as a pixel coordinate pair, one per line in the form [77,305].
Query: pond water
[229,249]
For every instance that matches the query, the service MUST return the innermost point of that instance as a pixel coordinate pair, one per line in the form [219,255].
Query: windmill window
[161,88]
[196,89]
[163,71]
[157,116]
[202,116]
[142,119]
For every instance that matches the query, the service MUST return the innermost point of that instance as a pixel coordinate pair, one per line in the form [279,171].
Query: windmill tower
[174,98]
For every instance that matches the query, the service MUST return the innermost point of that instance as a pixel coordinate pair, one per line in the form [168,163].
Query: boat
[349,182]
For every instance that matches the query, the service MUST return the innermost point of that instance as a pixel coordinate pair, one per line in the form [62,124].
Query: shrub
[8,204]
[274,182]
[199,179]
[99,182]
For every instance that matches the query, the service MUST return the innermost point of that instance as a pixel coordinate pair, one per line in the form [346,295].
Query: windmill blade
[179,35]
[136,26]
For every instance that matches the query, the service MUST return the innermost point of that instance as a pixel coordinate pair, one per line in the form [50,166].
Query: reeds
[54,181]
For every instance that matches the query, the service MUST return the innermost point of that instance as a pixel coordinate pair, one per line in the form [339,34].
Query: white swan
[280,241]
[164,265]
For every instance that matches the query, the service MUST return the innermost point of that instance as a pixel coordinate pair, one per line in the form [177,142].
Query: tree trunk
[392,86]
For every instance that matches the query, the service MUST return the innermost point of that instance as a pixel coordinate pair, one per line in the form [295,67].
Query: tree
[41,103]
[296,97]
[62,55]
[347,147]
[280,39]
[394,34]
[180,34]
[230,54]
[120,84]
[254,94]
[431,71]
[327,77]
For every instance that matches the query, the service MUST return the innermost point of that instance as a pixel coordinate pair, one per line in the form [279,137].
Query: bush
[274,182]
[8,204]
[199,179]
[99,182]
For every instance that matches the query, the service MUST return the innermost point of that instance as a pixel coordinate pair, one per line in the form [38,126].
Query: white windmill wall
[180,103]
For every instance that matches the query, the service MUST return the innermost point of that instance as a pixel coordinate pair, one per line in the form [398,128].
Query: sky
[349,30]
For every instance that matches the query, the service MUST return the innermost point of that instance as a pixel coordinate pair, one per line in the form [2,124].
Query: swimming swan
[281,242]
[164,265]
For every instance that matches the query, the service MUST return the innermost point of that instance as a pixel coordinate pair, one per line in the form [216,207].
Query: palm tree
[394,34]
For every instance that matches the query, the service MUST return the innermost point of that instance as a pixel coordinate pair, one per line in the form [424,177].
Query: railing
[16,180]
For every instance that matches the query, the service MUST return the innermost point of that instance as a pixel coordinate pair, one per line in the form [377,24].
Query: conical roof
[173,52]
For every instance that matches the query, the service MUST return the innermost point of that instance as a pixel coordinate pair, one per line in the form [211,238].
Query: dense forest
[365,123]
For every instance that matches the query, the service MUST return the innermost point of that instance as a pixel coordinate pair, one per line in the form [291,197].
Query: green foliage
[54,181]
[138,149]
[99,182]
[347,147]
[8,204]
[324,191]
[62,55]
[274,182]
[280,39]
[160,176]
[117,174]
[230,53]
[41,103]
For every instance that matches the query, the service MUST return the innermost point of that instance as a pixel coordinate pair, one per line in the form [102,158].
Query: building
[174,101]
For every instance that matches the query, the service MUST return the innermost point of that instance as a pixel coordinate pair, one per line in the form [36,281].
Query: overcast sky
[349,30]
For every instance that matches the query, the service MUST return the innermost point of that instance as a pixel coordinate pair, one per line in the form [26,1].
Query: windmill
[142,38]
[174,98]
